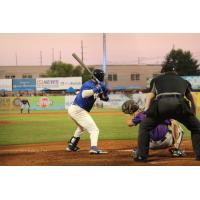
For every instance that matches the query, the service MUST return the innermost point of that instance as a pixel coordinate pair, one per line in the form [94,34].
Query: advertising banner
[69,100]
[115,101]
[63,102]
[58,83]
[6,85]
[26,84]
[194,81]
[36,103]
[47,102]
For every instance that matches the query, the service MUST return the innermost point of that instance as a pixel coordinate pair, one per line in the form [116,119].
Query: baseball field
[40,138]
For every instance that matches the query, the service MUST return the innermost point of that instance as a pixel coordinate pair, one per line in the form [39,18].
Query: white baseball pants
[84,121]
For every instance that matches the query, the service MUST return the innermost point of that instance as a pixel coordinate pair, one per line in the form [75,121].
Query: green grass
[54,127]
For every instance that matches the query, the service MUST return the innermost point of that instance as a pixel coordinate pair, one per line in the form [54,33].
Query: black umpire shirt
[169,82]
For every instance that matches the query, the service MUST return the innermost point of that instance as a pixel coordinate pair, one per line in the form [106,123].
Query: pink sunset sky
[122,48]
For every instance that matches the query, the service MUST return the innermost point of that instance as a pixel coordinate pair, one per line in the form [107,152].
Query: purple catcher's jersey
[159,132]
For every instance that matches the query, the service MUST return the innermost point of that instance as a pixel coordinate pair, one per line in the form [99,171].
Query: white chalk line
[124,150]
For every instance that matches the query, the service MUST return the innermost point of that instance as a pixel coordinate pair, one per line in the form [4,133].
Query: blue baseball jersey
[85,103]
[159,132]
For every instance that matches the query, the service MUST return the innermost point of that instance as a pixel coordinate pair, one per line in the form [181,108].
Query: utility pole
[138,60]
[52,55]
[104,53]
[82,50]
[60,57]
[40,58]
[16,59]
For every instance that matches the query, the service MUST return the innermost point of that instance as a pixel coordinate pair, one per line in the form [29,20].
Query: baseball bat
[85,67]
[81,63]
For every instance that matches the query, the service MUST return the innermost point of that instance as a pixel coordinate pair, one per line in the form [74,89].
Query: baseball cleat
[97,151]
[72,148]
[138,158]
[176,152]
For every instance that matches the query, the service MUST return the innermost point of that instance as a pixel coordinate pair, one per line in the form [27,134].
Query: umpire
[166,100]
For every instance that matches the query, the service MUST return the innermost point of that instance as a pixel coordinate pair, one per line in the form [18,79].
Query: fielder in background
[82,105]
[167,134]
[25,105]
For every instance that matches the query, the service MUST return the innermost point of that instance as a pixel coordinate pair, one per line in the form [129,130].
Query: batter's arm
[87,93]
[92,91]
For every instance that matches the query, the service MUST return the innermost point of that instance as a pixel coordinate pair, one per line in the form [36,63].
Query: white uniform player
[25,105]
[79,111]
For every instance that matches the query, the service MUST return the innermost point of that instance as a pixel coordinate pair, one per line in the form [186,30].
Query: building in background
[118,76]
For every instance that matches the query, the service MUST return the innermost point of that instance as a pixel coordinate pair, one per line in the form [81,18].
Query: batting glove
[98,89]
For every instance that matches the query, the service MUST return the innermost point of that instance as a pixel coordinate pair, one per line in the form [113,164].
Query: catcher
[165,135]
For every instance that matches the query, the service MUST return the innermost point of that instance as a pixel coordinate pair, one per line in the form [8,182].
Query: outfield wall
[36,103]
[63,102]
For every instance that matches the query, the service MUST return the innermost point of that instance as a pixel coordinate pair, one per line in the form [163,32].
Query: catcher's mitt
[129,107]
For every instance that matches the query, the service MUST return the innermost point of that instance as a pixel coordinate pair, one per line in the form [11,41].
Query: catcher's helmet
[129,107]
[98,74]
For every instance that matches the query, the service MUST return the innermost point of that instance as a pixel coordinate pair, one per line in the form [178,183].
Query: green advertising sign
[47,102]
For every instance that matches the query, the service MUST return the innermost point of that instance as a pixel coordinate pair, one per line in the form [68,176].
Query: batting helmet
[98,74]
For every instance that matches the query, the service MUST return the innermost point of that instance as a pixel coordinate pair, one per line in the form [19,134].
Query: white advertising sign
[115,101]
[194,81]
[69,99]
[58,83]
[6,84]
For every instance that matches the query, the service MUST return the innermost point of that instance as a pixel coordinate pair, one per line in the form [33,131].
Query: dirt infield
[54,154]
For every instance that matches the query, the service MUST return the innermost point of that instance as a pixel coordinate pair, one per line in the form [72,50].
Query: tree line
[61,69]
[184,62]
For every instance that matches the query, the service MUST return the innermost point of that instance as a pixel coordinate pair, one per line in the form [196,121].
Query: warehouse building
[118,76]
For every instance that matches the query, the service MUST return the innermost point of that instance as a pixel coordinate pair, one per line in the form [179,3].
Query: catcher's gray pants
[162,144]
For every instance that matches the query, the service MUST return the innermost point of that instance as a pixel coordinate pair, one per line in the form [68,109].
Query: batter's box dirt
[119,154]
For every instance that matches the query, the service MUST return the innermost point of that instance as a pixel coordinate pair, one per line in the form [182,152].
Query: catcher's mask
[129,107]
[98,74]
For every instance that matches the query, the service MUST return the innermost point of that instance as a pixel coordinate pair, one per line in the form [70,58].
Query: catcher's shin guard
[72,144]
